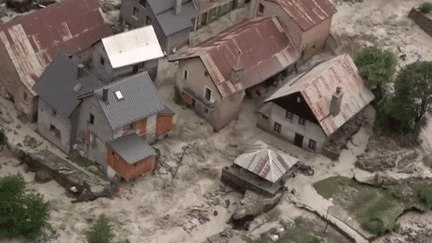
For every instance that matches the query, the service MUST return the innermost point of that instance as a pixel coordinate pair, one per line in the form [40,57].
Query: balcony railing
[208,104]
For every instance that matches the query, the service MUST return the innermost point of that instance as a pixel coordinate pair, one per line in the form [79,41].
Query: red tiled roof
[259,46]
[307,13]
[34,40]
[318,86]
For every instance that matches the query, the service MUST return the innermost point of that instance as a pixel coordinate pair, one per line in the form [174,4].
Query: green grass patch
[375,209]
[425,196]
[426,7]
[81,161]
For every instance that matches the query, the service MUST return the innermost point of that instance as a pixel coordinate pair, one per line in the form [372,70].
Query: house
[307,22]
[213,77]
[210,11]
[58,89]
[30,43]
[172,20]
[262,168]
[118,121]
[311,107]
[127,53]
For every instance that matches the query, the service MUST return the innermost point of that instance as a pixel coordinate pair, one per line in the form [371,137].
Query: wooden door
[298,140]
[204,19]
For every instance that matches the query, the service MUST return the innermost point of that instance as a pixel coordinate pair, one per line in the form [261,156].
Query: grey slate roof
[167,110]
[56,84]
[140,100]
[172,23]
[132,148]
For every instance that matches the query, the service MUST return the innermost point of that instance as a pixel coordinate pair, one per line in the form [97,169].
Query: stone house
[210,11]
[127,53]
[58,89]
[311,107]
[172,20]
[30,43]
[214,76]
[118,121]
[307,22]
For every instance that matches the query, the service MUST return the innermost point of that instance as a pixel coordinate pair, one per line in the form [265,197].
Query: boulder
[43,176]
[255,204]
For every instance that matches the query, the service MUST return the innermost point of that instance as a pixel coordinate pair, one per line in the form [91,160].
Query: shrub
[22,212]
[425,196]
[426,7]
[101,231]
[177,97]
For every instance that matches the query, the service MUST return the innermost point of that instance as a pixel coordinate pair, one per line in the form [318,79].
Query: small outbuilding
[262,168]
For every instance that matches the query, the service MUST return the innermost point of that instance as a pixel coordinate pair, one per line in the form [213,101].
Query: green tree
[411,99]
[101,231]
[377,67]
[22,212]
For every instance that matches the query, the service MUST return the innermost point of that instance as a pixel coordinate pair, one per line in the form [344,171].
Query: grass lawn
[374,208]
[81,161]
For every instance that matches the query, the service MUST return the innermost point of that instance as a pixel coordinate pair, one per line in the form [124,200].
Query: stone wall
[423,20]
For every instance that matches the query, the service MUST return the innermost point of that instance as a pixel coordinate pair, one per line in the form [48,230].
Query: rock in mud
[255,204]
[43,176]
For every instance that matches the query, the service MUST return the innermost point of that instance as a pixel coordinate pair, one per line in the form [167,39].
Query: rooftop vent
[237,73]
[77,88]
[119,95]
[178,7]
[336,101]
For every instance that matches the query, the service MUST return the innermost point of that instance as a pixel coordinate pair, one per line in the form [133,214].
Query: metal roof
[172,23]
[318,86]
[260,46]
[34,40]
[167,110]
[56,85]
[266,161]
[132,47]
[132,148]
[307,13]
[140,100]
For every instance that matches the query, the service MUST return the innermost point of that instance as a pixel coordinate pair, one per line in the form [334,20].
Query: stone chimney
[105,95]
[178,7]
[336,102]
[81,72]
[237,73]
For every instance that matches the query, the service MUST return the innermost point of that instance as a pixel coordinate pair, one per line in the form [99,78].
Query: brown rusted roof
[318,86]
[259,46]
[307,13]
[34,40]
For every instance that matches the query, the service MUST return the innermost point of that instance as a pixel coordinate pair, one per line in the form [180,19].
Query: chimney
[336,102]
[105,95]
[81,72]
[236,73]
[178,6]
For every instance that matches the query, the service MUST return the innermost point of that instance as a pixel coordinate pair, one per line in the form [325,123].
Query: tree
[377,67]
[101,231]
[22,212]
[412,97]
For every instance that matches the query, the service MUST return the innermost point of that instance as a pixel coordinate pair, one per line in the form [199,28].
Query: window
[52,127]
[25,96]
[143,3]
[148,20]
[112,152]
[91,119]
[289,115]
[131,126]
[277,127]
[185,74]
[54,112]
[55,131]
[261,9]
[265,117]
[207,94]
[206,111]
[302,121]
[312,144]
[135,12]
[102,61]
